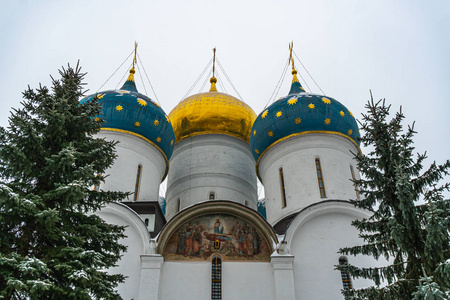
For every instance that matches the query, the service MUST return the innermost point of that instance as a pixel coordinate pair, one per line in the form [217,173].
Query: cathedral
[209,237]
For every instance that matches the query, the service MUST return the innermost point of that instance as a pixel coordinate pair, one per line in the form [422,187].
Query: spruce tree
[410,220]
[52,245]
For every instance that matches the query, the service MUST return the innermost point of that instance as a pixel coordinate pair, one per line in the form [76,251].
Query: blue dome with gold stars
[301,113]
[128,111]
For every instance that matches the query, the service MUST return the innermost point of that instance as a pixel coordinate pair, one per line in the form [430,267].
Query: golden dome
[212,113]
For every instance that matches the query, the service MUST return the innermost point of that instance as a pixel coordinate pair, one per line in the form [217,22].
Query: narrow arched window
[212,196]
[354,183]
[346,280]
[138,181]
[245,202]
[320,179]
[283,190]
[146,222]
[178,204]
[216,278]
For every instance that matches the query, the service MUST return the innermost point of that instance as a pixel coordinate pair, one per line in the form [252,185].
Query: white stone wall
[314,237]
[297,158]
[248,280]
[131,152]
[210,163]
[240,280]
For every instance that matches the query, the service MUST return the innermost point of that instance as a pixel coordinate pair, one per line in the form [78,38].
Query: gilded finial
[214,60]
[132,71]
[296,87]
[291,58]
[135,52]
[213,79]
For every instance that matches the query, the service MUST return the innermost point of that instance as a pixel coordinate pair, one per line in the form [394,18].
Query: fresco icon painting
[204,236]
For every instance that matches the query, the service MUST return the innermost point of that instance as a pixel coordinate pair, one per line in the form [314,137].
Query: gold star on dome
[137,124]
[257,151]
[254,132]
[142,102]
[279,114]
[96,119]
[119,107]
[349,132]
[157,104]
[311,106]
[156,122]
[326,101]
[98,97]
[342,113]
[264,114]
[158,139]
[298,120]
[350,113]
[292,101]
[327,121]
[270,133]
[171,142]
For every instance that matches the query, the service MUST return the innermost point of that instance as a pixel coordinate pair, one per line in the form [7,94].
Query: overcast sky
[398,49]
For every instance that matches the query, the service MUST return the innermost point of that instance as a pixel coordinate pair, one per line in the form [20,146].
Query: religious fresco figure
[188,241]
[218,228]
[256,242]
[196,240]
[181,240]
[241,241]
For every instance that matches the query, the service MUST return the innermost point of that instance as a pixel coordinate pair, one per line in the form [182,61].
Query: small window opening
[320,179]
[245,202]
[212,196]
[146,222]
[138,181]
[216,278]
[354,183]
[178,204]
[283,190]
[345,276]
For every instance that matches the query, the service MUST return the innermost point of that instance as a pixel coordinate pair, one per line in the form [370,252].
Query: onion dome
[128,111]
[212,113]
[301,113]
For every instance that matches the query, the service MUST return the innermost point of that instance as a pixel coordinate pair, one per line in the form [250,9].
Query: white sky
[398,49]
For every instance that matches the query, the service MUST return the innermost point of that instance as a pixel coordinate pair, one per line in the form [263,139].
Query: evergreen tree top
[413,237]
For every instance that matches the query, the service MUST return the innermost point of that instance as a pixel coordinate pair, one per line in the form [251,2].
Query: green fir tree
[52,246]
[410,218]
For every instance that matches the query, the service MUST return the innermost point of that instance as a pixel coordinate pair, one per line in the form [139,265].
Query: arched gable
[321,208]
[120,214]
[229,229]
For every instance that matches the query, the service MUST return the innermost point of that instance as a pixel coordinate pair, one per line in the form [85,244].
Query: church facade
[210,241]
